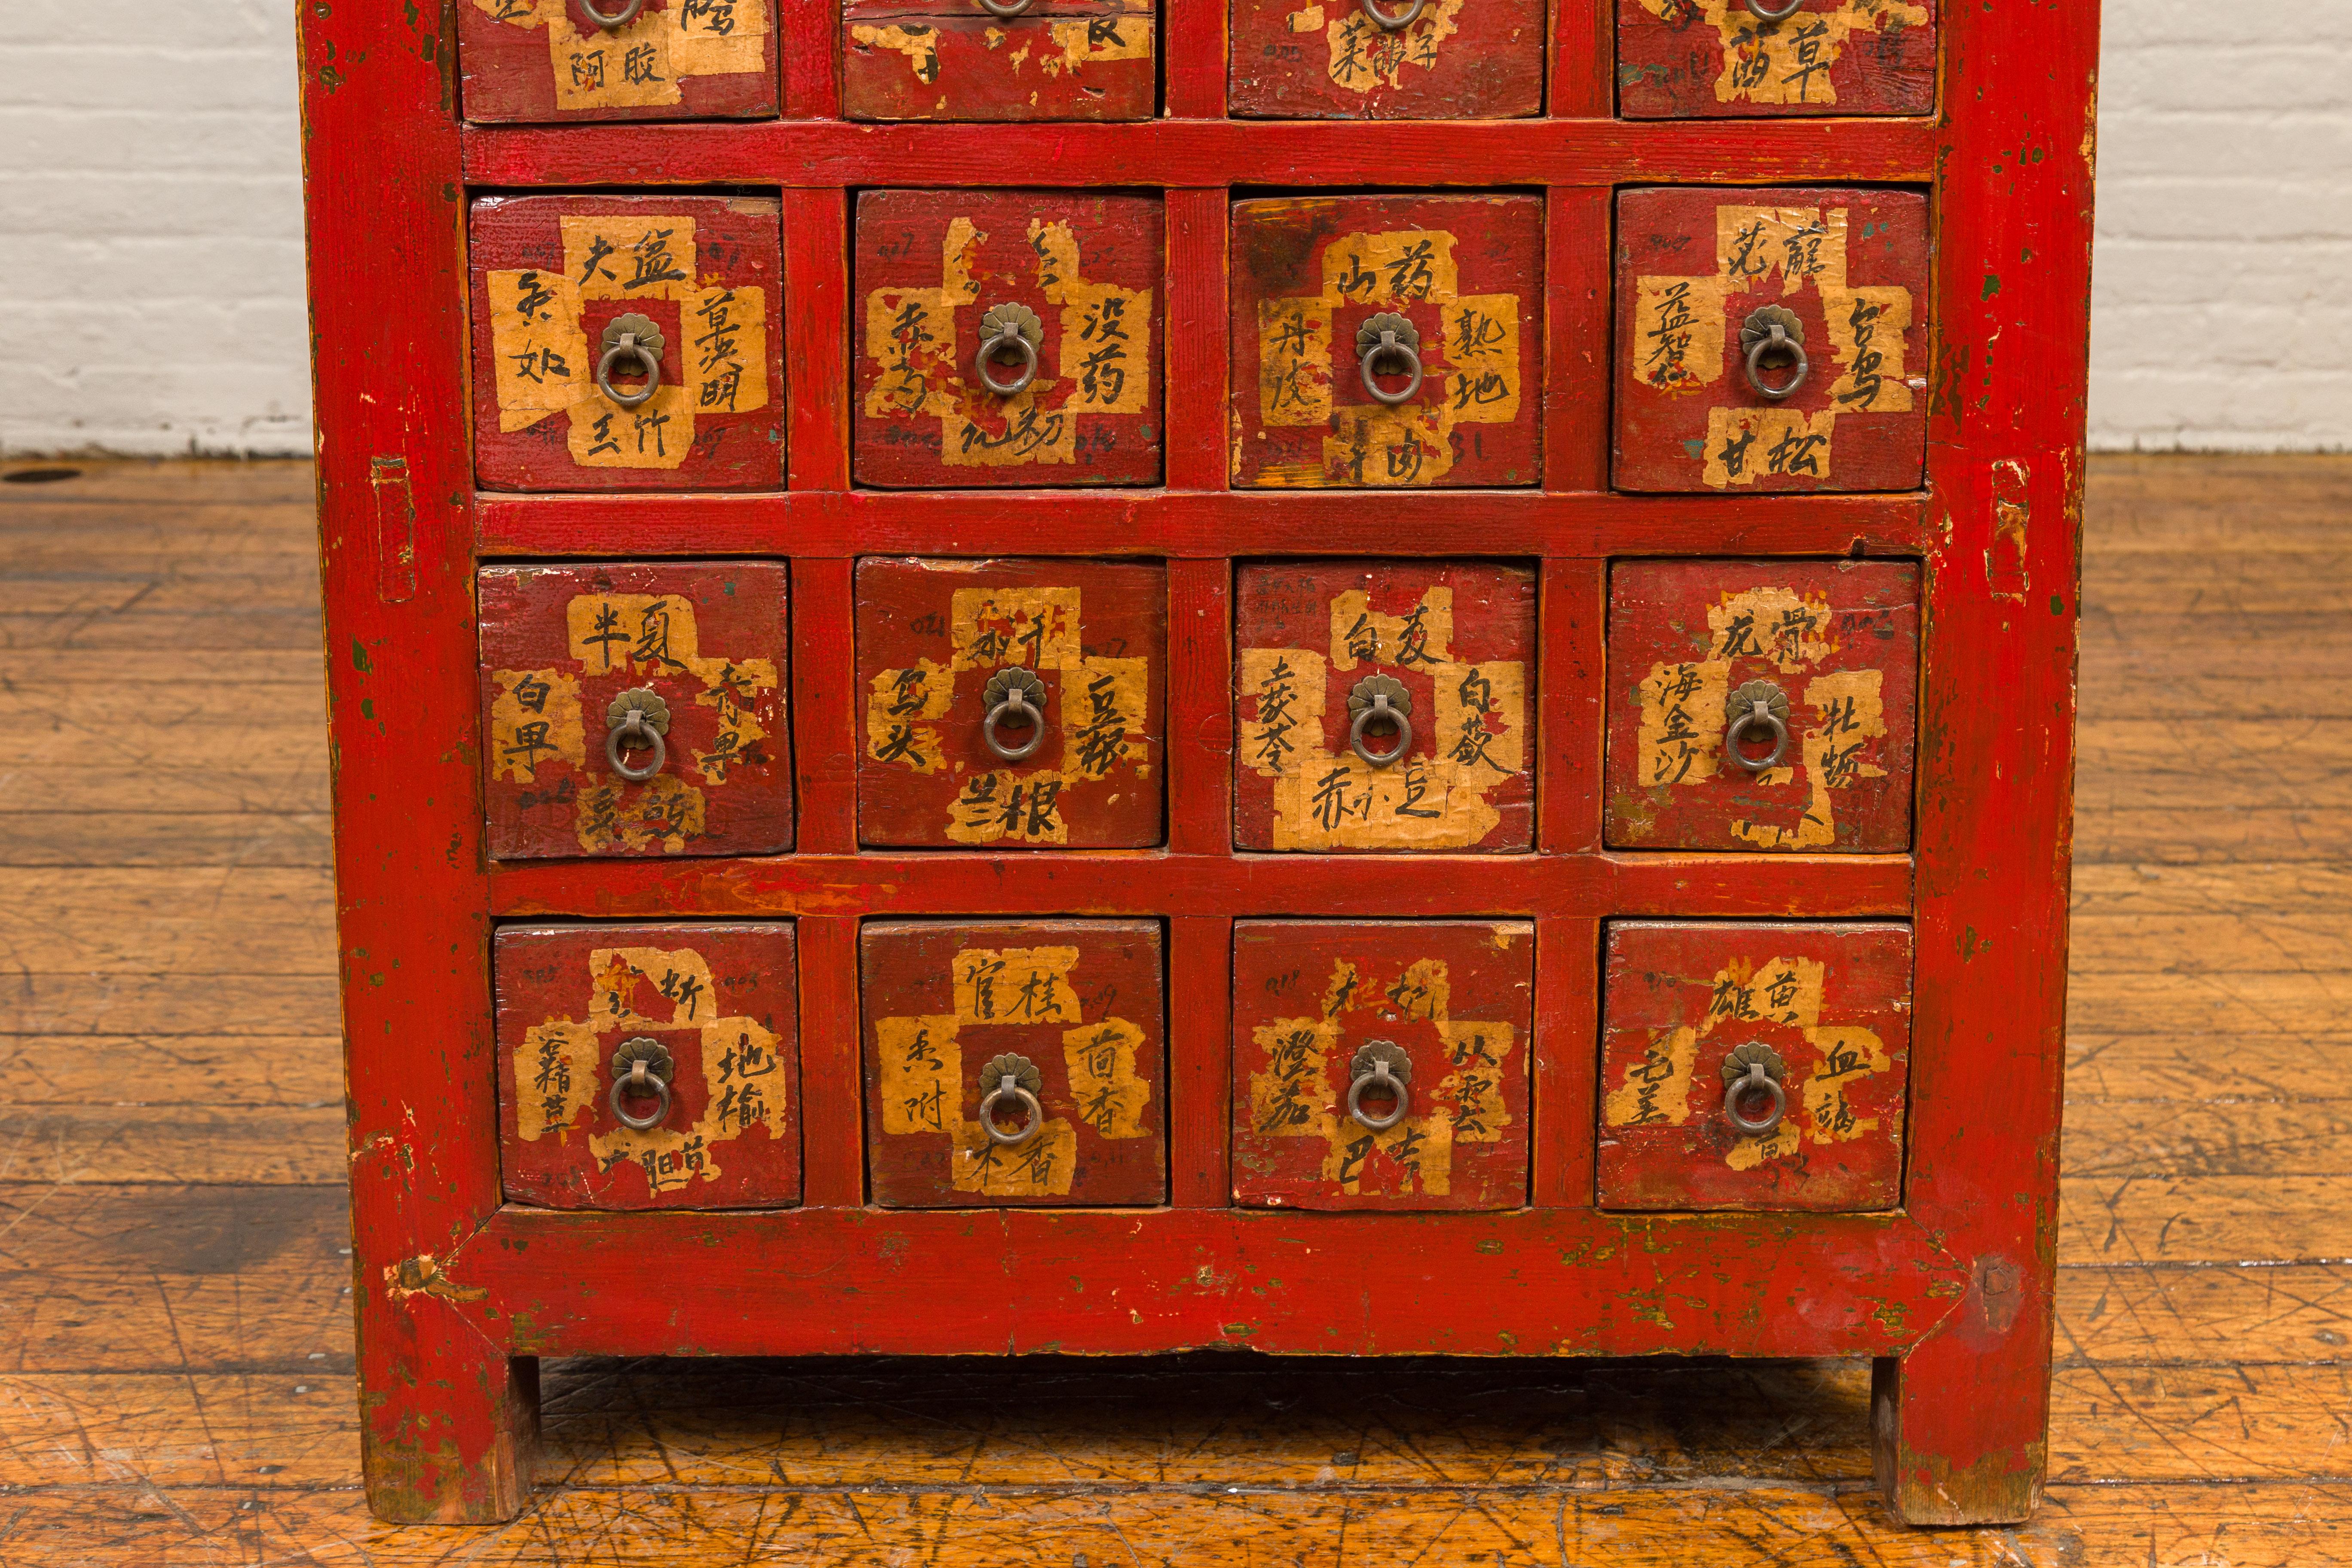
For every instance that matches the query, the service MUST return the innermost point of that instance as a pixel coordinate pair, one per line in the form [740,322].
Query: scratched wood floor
[175,1350]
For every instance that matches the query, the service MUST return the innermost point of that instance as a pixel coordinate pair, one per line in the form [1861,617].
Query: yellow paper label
[1788,62]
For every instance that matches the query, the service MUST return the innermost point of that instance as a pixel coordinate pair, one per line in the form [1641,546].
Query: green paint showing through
[359,657]
[1992,285]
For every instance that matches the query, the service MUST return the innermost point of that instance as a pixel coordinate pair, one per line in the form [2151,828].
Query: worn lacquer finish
[951,59]
[1835,642]
[1832,1005]
[1455,1000]
[550,276]
[562,645]
[931,634]
[1329,60]
[1309,272]
[1950,1292]
[1078,1002]
[931,265]
[1458,637]
[675,60]
[1694,270]
[1684,60]
[719,999]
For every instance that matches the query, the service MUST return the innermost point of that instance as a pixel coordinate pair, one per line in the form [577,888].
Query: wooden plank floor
[175,1350]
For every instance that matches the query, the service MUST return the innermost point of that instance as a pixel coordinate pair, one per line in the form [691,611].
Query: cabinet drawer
[950,653]
[953,60]
[1381,1064]
[634,710]
[1811,1023]
[1829,649]
[1698,59]
[670,59]
[1326,650]
[1049,1032]
[1388,59]
[1063,290]
[573,295]
[710,1011]
[572,300]
[1387,340]
[1710,399]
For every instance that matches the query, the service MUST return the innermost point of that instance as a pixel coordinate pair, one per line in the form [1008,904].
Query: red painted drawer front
[1309,272]
[1459,636]
[550,276]
[1832,1005]
[676,60]
[1458,59]
[1695,60]
[931,634]
[720,1000]
[1078,1001]
[1059,60]
[932,264]
[561,645]
[1309,998]
[1693,269]
[1837,641]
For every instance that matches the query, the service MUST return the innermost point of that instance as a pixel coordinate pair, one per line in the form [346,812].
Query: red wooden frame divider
[457,1293]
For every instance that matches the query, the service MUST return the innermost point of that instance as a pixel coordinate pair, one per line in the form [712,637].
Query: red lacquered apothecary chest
[1384,678]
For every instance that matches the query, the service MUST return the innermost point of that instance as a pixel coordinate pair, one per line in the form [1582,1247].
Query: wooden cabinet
[1014,1065]
[1754,1067]
[1381,1064]
[627,344]
[635,709]
[999,59]
[1771,340]
[656,59]
[1301,535]
[1387,341]
[648,1066]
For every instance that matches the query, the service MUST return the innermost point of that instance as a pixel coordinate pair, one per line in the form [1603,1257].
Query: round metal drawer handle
[1389,336]
[641,1068]
[1016,1079]
[637,721]
[1392,22]
[1775,334]
[631,338]
[1007,8]
[1763,13]
[1760,703]
[1018,695]
[1008,329]
[1749,1070]
[1380,1064]
[613,24]
[1379,701]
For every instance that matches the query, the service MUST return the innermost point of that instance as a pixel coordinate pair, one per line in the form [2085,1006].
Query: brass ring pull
[1749,1070]
[1384,1065]
[1008,329]
[637,721]
[1389,22]
[1016,694]
[628,13]
[1380,701]
[1763,13]
[1389,336]
[1006,8]
[1016,1079]
[1758,703]
[641,1068]
[1774,333]
[631,338]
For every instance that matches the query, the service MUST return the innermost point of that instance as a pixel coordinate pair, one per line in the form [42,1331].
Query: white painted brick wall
[151,233]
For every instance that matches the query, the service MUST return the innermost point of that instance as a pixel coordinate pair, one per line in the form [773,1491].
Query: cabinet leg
[447,1421]
[1959,1437]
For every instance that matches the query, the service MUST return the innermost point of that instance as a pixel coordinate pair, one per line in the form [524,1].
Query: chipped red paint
[1677,60]
[515,71]
[1057,59]
[457,1292]
[1455,59]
